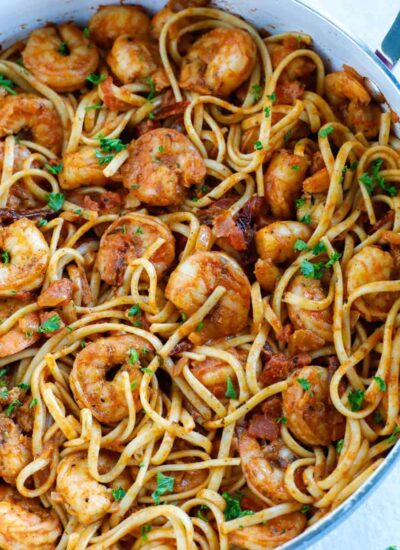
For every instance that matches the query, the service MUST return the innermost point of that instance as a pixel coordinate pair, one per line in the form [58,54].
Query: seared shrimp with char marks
[137,59]
[274,533]
[275,245]
[283,183]
[128,238]
[25,523]
[15,449]
[110,22]
[60,57]
[371,264]
[34,114]
[194,280]
[28,255]
[218,62]
[264,476]
[94,383]
[162,165]
[83,496]
[310,415]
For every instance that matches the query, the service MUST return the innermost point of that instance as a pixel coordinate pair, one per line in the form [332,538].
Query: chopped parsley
[318,269]
[95,78]
[306,219]
[94,106]
[233,509]
[63,48]
[33,403]
[146,370]
[318,248]
[3,372]
[50,325]
[7,85]
[281,420]
[200,326]
[111,144]
[304,383]
[14,403]
[374,180]
[152,85]
[325,131]
[134,310]
[56,201]
[377,417]
[300,245]
[200,515]
[24,387]
[161,149]
[5,257]
[54,169]
[300,202]
[381,383]
[42,222]
[230,389]
[134,385]
[339,446]
[118,494]
[164,484]
[306,508]
[258,146]
[356,399]
[295,167]
[143,532]
[86,32]
[102,158]
[133,356]
[151,116]
[272,97]
[256,90]
[137,323]
[267,112]
[135,186]
[393,437]
[138,231]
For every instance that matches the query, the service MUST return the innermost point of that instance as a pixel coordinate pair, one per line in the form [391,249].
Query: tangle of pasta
[199,284]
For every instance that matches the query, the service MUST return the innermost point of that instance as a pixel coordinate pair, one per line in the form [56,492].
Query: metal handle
[390,48]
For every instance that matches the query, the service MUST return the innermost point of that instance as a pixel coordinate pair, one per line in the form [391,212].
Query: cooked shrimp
[346,91]
[318,182]
[184,481]
[83,496]
[137,59]
[22,335]
[128,238]
[35,114]
[110,22]
[370,265]
[319,322]
[300,67]
[162,164]
[311,208]
[28,255]
[81,168]
[161,18]
[195,279]
[311,417]
[283,183]
[274,533]
[61,57]
[213,373]
[15,450]
[90,379]
[218,62]
[25,524]
[264,477]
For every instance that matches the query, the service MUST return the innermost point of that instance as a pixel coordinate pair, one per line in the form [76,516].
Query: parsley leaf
[133,356]
[281,420]
[111,144]
[86,32]
[318,248]
[7,84]
[306,219]
[312,271]
[304,383]
[42,222]
[256,90]
[24,387]
[381,383]
[325,131]
[56,201]
[103,159]
[94,106]
[339,446]
[295,167]
[356,399]
[152,85]
[14,403]
[374,180]
[63,49]
[267,112]
[33,403]
[272,97]
[300,245]
[200,515]
[304,509]
[164,484]
[393,437]
[54,169]
[118,493]
[5,257]
[51,324]
[258,146]
[144,530]
[233,509]
[299,202]
[200,326]
[95,78]
[134,310]
[230,389]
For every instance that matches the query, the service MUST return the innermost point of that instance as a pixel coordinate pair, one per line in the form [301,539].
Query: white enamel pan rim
[20,16]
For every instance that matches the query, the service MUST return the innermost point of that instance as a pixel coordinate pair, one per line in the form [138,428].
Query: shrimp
[345,90]
[311,207]
[25,523]
[264,476]
[27,258]
[301,67]
[213,373]
[60,57]
[161,18]
[283,182]
[162,164]
[311,417]
[15,450]
[274,533]
[317,183]
[128,238]
[275,244]
[110,22]
[94,382]
[369,265]
[218,62]
[35,114]
[137,59]
[83,496]
[81,168]
[318,322]
[194,280]
[22,335]
[186,480]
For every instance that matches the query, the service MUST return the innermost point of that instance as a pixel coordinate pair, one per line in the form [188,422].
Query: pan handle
[389,52]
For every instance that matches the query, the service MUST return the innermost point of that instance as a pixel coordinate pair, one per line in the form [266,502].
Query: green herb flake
[233,509]
[230,389]
[135,186]
[304,383]
[54,169]
[24,387]
[111,144]
[183,317]
[5,257]
[151,116]
[377,417]
[272,97]
[95,78]
[94,106]
[134,385]
[144,530]
[133,356]
[146,370]
[137,323]
[200,326]
[300,245]
[134,310]
[118,494]
[325,131]
[63,49]
[393,437]
[42,222]
[381,383]
[339,446]
[50,325]
[82,344]
[56,201]
[256,90]
[267,112]
[152,93]
[139,231]
[103,158]
[306,219]
[3,372]
[306,508]
[295,167]
[200,515]
[374,180]
[12,406]
[7,85]
[164,484]
[300,202]
[86,32]
[356,399]
[258,146]
[318,248]
[281,420]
